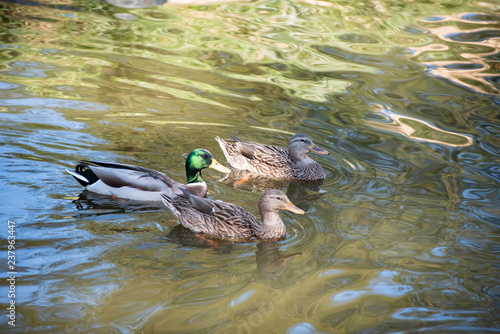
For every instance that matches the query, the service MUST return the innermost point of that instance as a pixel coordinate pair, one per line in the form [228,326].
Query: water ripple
[469,62]
[403,229]
[418,129]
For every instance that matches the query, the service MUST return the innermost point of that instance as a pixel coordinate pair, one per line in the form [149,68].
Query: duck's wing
[203,205]
[218,209]
[119,175]
[230,221]
[244,148]
[270,155]
[216,218]
[260,153]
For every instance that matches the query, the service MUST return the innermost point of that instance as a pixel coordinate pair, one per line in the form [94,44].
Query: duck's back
[219,219]
[267,160]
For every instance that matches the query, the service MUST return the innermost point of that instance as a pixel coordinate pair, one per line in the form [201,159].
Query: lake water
[402,236]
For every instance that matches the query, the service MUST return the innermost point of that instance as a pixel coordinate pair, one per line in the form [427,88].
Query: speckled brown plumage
[275,162]
[231,221]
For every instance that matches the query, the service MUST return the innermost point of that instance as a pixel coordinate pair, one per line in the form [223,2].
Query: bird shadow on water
[301,193]
[271,262]
[111,205]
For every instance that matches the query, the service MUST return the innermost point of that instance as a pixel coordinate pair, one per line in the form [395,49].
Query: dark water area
[402,236]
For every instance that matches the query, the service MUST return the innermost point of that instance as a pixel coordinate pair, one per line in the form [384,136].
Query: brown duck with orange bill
[275,162]
[230,221]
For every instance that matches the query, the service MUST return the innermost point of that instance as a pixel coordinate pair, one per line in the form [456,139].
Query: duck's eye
[303,140]
[203,155]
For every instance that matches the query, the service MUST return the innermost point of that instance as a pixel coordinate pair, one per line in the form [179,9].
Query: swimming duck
[275,162]
[143,184]
[230,221]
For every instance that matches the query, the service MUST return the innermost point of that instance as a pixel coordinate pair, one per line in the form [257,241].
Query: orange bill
[295,209]
[318,150]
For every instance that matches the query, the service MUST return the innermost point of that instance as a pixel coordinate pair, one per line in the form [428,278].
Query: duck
[224,220]
[143,184]
[274,162]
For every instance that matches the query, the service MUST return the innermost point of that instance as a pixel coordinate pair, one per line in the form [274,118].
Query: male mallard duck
[275,162]
[143,184]
[231,221]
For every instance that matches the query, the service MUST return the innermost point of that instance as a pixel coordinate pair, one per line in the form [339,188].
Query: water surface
[402,235]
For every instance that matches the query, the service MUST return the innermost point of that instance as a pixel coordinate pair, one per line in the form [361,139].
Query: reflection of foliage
[269,63]
[279,43]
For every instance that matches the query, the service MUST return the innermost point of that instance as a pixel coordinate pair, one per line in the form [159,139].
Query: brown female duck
[275,162]
[230,221]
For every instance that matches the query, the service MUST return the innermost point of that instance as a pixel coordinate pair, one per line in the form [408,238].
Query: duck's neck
[193,174]
[271,227]
[195,183]
[197,188]
[300,158]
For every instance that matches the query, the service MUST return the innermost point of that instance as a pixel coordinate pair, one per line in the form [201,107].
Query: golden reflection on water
[470,67]
[418,129]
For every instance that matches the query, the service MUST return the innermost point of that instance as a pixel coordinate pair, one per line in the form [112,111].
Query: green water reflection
[402,235]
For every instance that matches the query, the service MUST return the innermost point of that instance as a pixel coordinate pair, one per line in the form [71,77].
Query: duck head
[274,200]
[200,159]
[300,144]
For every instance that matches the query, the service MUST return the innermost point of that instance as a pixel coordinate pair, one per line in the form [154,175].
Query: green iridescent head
[199,159]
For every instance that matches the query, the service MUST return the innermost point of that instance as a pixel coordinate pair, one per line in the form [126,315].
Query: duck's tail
[83,174]
[224,147]
[169,203]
